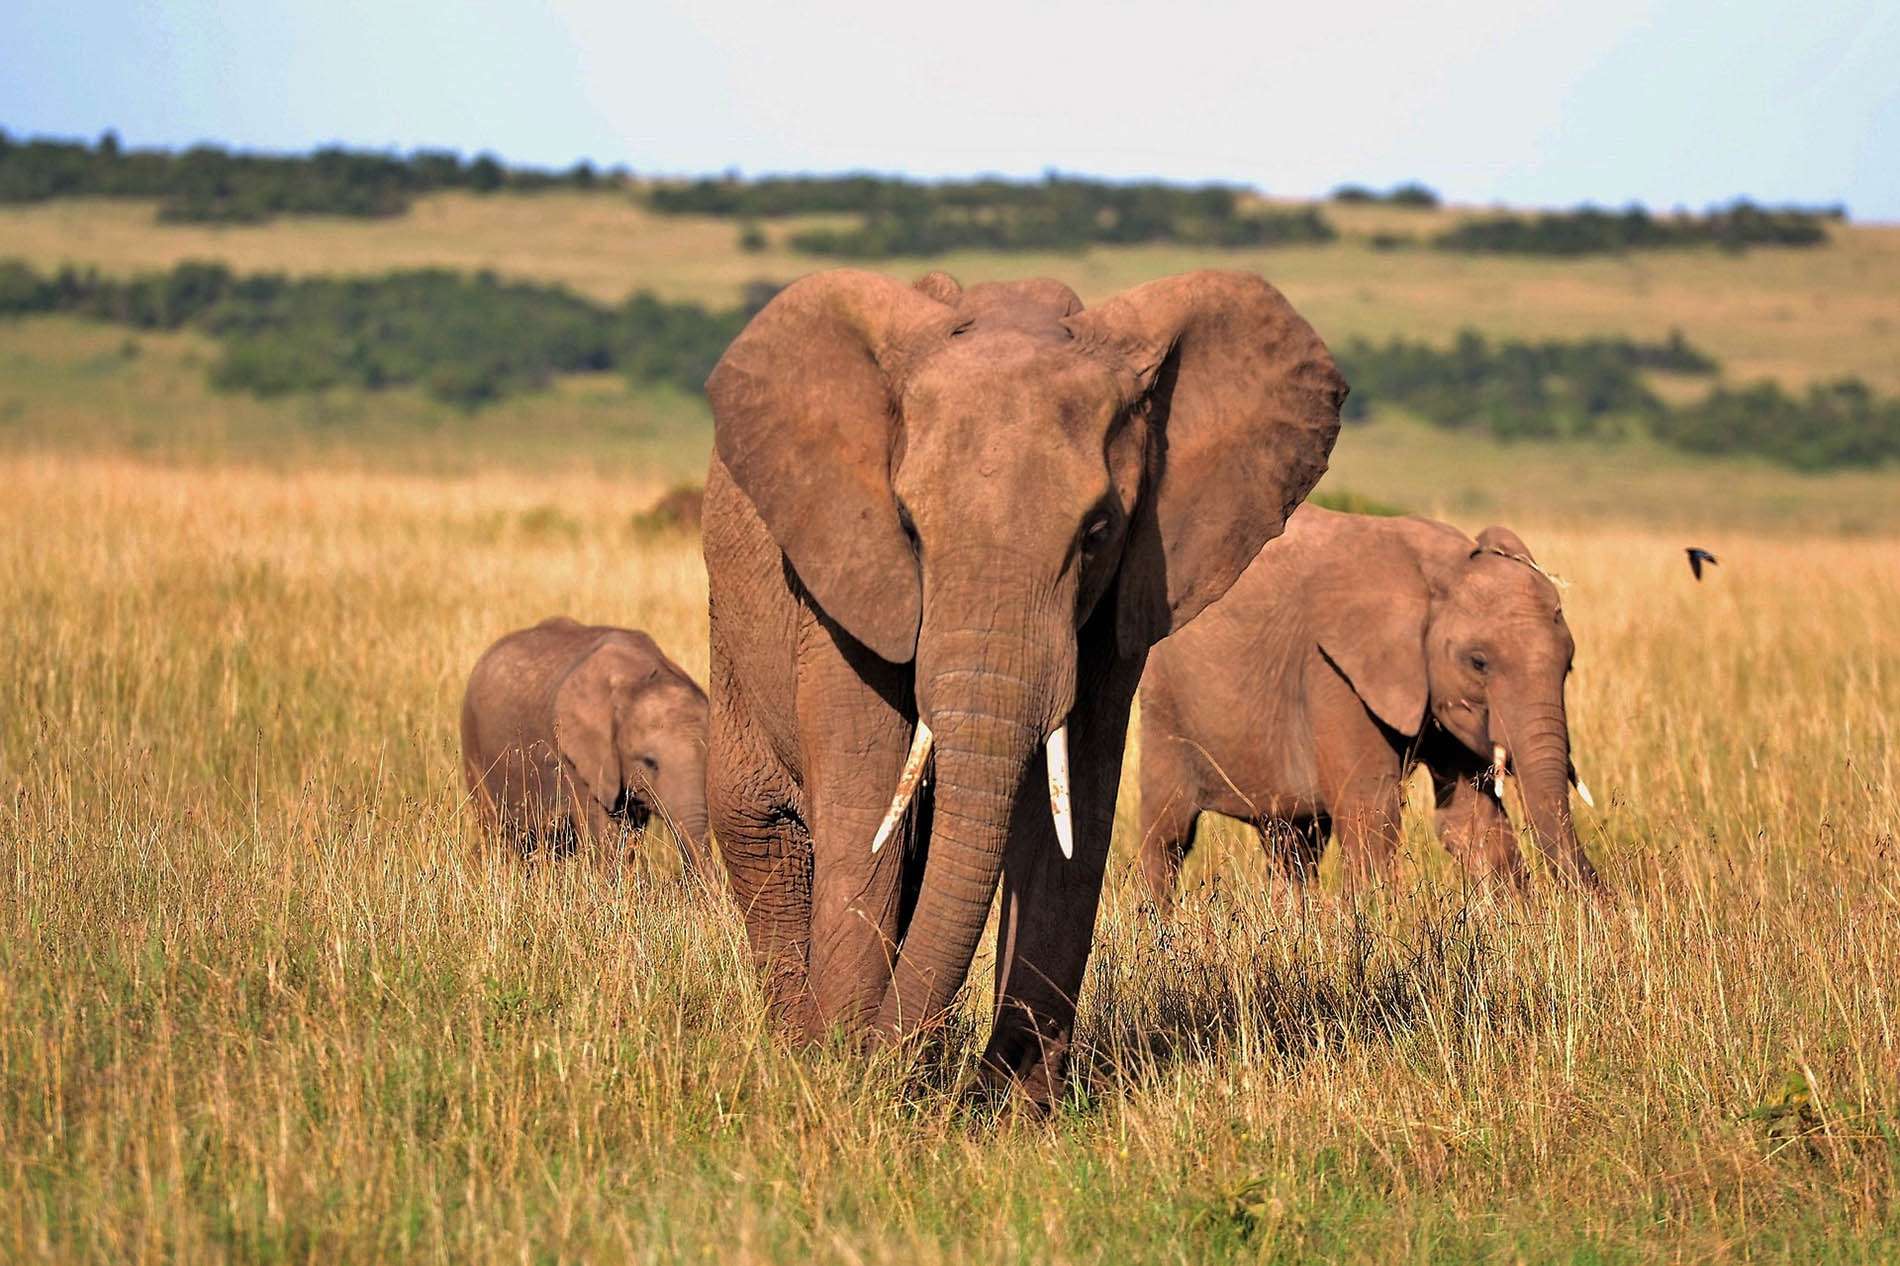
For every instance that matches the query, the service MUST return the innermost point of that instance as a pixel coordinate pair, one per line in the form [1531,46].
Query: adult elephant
[1353,649]
[950,523]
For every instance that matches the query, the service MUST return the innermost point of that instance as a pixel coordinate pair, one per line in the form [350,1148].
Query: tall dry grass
[262,998]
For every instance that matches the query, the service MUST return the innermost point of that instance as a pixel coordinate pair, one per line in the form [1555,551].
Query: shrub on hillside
[1841,423]
[1409,194]
[467,340]
[883,237]
[1516,389]
[677,510]
[208,183]
[1413,194]
[1589,230]
[904,217]
[470,340]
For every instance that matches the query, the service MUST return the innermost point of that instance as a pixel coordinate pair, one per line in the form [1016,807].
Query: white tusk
[1498,757]
[1058,754]
[906,784]
[1583,791]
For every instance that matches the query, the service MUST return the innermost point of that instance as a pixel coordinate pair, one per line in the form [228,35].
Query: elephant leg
[753,805]
[1294,847]
[1361,781]
[1318,830]
[595,827]
[1475,829]
[854,929]
[1169,813]
[695,861]
[488,821]
[629,832]
[769,863]
[1050,902]
[1368,821]
[856,744]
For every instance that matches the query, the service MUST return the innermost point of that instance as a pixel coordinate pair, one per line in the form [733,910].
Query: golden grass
[263,999]
[1794,315]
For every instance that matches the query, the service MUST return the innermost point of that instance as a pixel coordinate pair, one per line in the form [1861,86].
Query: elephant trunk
[678,798]
[690,834]
[1540,755]
[990,697]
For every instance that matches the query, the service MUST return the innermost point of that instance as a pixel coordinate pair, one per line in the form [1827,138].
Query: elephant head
[632,733]
[1485,657]
[961,480]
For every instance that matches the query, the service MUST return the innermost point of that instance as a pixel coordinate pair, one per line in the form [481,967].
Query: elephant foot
[994,1098]
[1026,1061]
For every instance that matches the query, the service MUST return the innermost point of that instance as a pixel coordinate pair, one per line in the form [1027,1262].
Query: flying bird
[1697,557]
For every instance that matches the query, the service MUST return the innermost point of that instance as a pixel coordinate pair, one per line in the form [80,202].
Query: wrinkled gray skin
[979,508]
[1353,649]
[576,734]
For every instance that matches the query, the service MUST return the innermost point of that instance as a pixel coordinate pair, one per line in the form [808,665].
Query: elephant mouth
[627,807]
[1056,751]
[1501,765]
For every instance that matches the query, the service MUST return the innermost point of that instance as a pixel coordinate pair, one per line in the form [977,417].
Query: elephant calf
[572,732]
[1351,650]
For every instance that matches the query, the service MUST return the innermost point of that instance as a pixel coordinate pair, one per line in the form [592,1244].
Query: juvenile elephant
[1351,650]
[572,732]
[942,528]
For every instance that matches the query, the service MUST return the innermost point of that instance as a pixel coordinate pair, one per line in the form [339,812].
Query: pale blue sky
[1663,101]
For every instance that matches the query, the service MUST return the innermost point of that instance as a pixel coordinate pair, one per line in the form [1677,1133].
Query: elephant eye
[651,764]
[1095,533]
[1478,662]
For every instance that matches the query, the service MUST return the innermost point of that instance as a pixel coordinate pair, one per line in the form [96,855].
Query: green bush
[1516,390]
[208,183]
[1410,194]
[1594,388]
[470,340]
[467,340]
[1840,423]
[903,217]
[23,291]
[1589,230]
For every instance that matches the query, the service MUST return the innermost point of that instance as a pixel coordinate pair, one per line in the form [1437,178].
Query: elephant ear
[584,718]
[803,419]
[1369,602]
[1502,540]
[1242,399]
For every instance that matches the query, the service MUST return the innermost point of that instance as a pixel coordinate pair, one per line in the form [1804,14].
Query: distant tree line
[464,339]
[1516,390]
[1589,230]
[1411,194]
[1841,423]
[1594,389]
[208,183]
[470,339]
[896,216]
[905,217]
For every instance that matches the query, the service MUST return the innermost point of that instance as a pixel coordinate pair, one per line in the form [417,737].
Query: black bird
[1697,557]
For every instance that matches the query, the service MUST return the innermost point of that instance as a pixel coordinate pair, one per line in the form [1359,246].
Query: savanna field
[263,997]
